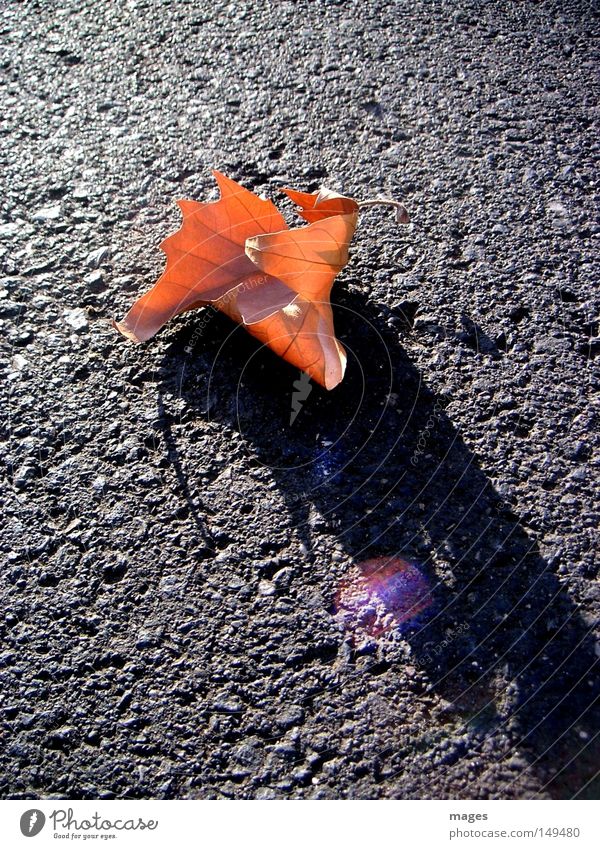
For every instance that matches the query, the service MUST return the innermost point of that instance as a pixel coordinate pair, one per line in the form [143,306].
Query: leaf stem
[379,202]
[401,211]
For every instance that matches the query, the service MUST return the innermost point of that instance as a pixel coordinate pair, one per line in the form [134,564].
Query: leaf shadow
[378,464]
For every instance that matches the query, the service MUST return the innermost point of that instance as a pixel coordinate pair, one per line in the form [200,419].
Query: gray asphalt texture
[173,547]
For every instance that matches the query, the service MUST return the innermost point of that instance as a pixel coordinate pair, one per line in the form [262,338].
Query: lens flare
[381,594]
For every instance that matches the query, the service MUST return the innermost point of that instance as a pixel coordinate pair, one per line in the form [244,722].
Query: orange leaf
[321,204]
[306,259]
[238,254]
[205,258]
[302,333]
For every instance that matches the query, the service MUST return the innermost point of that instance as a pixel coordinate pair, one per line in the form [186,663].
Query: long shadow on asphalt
[378,463]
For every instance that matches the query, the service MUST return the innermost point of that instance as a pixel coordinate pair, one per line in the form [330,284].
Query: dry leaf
[321,204]
[206,258]
[239,255]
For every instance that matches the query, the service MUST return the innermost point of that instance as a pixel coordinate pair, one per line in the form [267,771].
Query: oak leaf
[239,255]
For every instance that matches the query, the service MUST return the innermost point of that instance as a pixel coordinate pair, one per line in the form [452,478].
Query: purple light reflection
[381,594]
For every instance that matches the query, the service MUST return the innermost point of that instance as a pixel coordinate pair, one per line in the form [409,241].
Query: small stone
[19,362]
[517,762]
[95,258]
[99,485]
[149,479]
[76,318]
[171,585]
[266,793]
[292,715]
[283,578]
[228,705]
[62,735]
[266,588]
[9,229]
[24,337]
[94,281]
[10,309]
[146,640]
[47,213]
[266,566]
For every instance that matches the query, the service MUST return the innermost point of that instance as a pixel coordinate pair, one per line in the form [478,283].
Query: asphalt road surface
[185,608]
